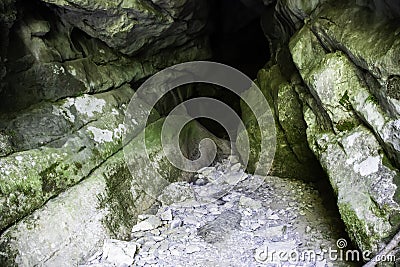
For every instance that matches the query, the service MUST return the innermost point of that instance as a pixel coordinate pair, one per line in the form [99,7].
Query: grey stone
[192,249]
[119,252]
[351,132]
[233,159]
[236,167]
[68,228]
[130,27]
[175,223]
[234,178]
[38,174]
[200,182]
[247,202]
[62,61]
[166,215]
[235,233]
[152,222]
[219,229]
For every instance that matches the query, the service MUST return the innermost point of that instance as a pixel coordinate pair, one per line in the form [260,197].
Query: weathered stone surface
[295,12]
[151,223]
[153,165]
[31,177]
[78,135]
[351,131]
[118,252]
[86,65]
[50,59]
[293,158]
[75,223]
[340,87]
[364,181]
[106,204]
[130,26]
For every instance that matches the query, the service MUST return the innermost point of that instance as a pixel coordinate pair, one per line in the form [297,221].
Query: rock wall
[344,94]
[68,71]
[53,58]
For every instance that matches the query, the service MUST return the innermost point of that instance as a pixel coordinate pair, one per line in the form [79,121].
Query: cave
[96,169]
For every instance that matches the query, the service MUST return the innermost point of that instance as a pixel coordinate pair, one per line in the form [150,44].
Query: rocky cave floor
[224,219]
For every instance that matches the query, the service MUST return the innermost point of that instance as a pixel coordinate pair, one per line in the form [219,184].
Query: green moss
[119,201]
[386,161]
[396,181]
[393,87]
[345,101]
[356,227]
[372,99]
[394,220]
[8,253]
[345,126]
[78,167]
[57,177]
[49,178]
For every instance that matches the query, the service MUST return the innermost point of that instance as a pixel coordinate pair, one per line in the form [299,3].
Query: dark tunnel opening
[237,38]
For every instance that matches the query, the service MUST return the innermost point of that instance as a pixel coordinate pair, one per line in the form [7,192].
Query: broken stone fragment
[120,253]
[166,215]
[152,222]
[247,202]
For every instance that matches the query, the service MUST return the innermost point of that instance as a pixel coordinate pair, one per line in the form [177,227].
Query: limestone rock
[106,204]
[67,228]
[176,192]
[247,202]
[352,120]
[166,215]
[151,223]
[233,235]
[119,252]
[50,59]
[131,26]
[293,158]
[79,137]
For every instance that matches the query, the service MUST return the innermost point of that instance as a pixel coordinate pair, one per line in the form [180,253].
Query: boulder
[68,228]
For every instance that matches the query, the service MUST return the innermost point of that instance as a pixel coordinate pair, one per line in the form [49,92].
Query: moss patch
[372,99]
[355,227]
[393,87]
[118,199]
[345,101]
[345,126]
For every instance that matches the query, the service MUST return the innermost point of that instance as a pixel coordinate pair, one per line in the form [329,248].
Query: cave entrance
[237,40]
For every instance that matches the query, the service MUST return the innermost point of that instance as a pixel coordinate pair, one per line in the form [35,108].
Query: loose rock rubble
[225,218]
